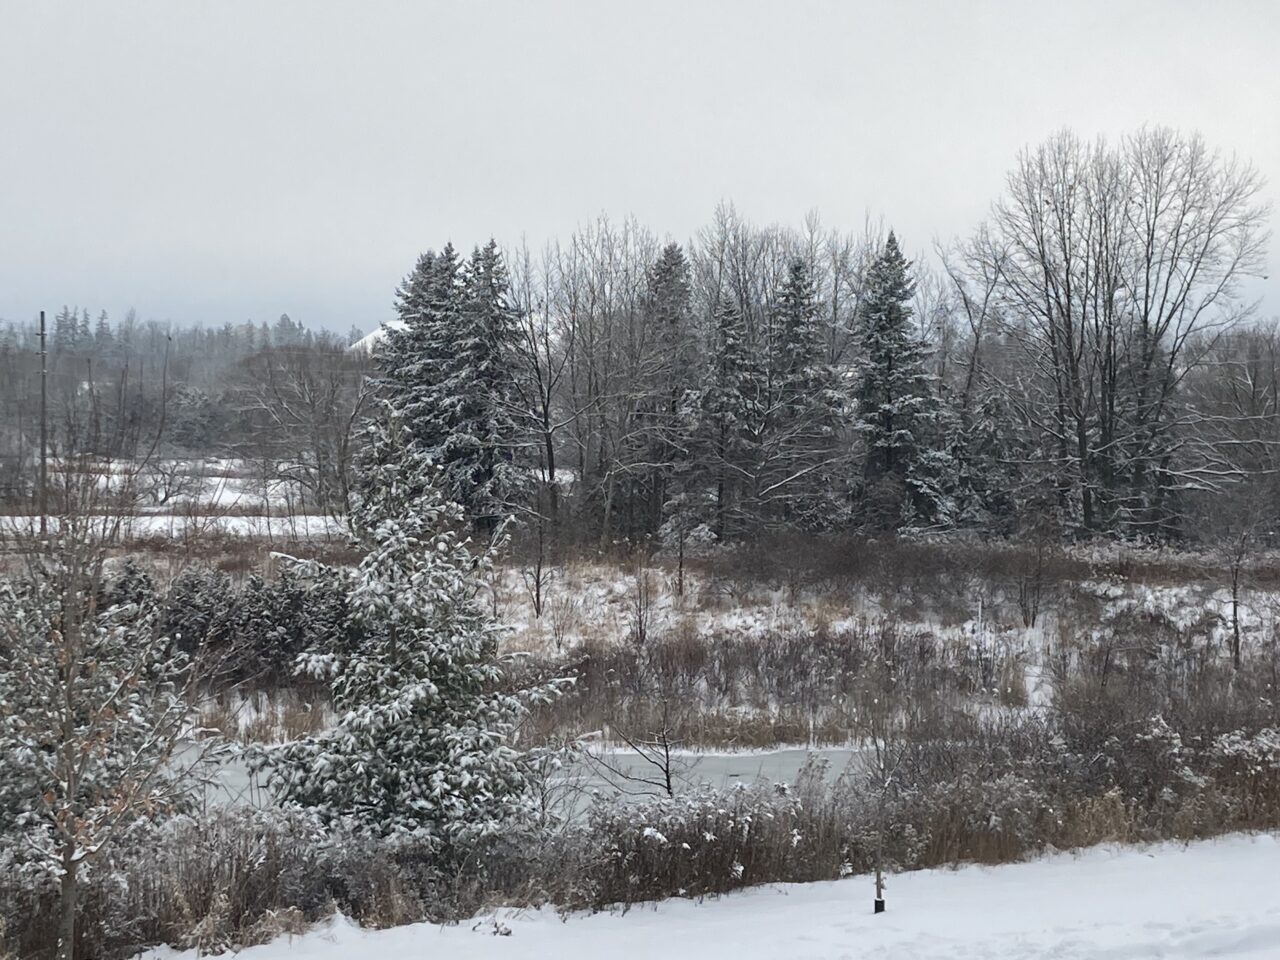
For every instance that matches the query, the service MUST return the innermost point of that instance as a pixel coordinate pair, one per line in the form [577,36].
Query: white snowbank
[1216,898]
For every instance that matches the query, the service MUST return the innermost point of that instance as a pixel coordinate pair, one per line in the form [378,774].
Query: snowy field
[586,600]
[183,499]
[187,527]
[1209,899]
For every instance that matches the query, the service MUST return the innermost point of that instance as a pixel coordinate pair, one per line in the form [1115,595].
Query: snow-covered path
[1211,899]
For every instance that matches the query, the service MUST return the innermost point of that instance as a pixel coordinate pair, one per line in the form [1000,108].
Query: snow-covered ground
[1210,899]
[212,496]
[583,600]
[188,527]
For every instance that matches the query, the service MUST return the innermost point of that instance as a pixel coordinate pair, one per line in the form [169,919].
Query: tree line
[1086,363]
[283,399]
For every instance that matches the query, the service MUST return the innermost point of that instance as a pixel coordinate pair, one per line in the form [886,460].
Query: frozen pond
[713,769]
[609,776]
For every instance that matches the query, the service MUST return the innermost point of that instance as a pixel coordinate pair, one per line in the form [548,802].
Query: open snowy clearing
[1212,898]
[187,527]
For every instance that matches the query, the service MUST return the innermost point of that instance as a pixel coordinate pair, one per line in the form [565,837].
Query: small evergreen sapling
[421,745]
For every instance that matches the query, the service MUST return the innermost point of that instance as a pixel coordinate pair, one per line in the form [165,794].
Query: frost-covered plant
[197,606]
[421,745]
[1250,754]
[94,712]
[447,371]
[260,629]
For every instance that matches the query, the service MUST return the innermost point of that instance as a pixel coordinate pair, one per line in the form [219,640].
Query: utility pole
[44,431]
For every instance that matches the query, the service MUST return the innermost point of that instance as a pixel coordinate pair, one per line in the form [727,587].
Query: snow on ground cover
[202,485]
[177,526]
[597,601]
[1211,898]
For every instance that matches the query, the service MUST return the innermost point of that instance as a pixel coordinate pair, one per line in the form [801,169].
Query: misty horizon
[230,163]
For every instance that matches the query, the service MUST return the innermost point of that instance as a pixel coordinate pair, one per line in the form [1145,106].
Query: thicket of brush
[672,661]
[1148,732]
[793,686]
[1139,744]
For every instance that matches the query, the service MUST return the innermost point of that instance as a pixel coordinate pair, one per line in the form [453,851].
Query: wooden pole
[44,430]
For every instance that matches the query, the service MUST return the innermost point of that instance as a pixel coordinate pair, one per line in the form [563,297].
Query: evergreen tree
[64,330]
[447,372]
[805,408]
[102,337]
[287,332]
[421,746]
[984,448]
[84,336]
[906,469]
[197,607]
[481,457]
[667,425]
[728,429]
[408,361]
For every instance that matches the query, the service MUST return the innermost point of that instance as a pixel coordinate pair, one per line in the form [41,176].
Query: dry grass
[267,717]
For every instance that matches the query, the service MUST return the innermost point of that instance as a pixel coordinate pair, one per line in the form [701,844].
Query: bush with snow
[422,743]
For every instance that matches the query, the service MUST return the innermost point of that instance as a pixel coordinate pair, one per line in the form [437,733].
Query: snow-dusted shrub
[712,841]
[273,621]
[96,709]
[128,582]
[231,878]
[193,881]
[259,629]
[1249,754]
[1250,764]
[974,817]
[422,742]
[197,606]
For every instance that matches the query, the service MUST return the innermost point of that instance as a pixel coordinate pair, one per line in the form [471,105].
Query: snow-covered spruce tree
[985,450]
[411,358]
[95,712]
[805,409]
[902,422]
[197,607]
[481,461]
[664,427]
[727,438]
[421,742]
[448,372]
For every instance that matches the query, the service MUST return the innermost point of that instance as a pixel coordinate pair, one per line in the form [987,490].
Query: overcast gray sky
[220,161]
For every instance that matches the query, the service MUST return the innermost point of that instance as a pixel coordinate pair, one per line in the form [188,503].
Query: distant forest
[1084,364]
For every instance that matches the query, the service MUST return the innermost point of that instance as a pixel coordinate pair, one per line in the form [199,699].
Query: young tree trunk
[553,488]
[1235,615]
[68,894]
[680,567]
